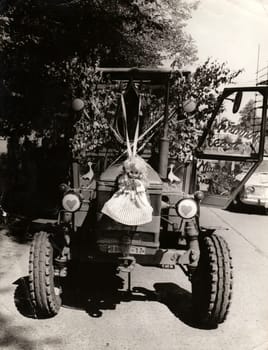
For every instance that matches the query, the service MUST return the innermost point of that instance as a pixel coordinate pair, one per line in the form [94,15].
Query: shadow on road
[178,300]
[22,298]
[98,288]
[18,337]
[16,229]
[246,209]
[14,337]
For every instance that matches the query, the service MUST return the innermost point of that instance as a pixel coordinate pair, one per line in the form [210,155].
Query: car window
[263,167]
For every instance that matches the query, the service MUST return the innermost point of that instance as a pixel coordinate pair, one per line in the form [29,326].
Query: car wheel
[44,287]
[212,282]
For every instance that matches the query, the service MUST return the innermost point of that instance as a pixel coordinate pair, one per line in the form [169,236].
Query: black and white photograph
[133,175]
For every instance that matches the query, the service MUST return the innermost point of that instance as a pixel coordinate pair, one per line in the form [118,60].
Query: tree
[41,40]
[48,59]
[248,114]
[203,87]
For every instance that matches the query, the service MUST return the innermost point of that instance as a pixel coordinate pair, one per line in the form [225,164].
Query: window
[237,126]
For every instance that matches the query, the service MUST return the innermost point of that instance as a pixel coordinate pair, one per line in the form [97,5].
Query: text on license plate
[133,250]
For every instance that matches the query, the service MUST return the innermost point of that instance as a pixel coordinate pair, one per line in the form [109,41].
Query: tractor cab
[137,212]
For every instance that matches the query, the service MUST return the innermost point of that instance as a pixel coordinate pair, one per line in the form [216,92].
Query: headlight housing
[186,208]
[250,189]
[71,201]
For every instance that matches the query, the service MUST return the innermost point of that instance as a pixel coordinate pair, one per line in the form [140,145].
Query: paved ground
[142,321]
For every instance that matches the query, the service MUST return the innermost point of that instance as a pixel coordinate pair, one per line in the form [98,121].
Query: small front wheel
[212,282]
[44,287]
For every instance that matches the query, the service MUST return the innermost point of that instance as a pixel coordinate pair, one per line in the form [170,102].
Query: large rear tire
[212,282]
[44,287]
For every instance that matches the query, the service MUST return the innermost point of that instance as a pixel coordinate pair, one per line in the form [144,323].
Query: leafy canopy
[47,46]
[49,51]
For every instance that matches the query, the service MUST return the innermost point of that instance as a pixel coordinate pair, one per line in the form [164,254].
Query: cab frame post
[164,140]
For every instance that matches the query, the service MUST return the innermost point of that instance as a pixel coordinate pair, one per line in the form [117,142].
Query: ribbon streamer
[131,153]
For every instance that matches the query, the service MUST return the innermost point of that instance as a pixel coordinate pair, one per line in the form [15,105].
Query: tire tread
[217,269]
[41,277]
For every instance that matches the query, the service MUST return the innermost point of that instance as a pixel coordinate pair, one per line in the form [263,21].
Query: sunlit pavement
[144,321]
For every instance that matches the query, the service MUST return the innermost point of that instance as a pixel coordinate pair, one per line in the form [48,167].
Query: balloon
[78,104]
[189,105]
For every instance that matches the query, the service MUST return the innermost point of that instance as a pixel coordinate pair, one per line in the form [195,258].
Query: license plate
[133,250]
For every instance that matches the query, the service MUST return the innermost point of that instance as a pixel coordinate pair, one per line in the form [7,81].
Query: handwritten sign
[233,138]
[218,176]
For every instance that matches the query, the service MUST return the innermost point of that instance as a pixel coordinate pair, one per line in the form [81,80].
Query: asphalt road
[144,321]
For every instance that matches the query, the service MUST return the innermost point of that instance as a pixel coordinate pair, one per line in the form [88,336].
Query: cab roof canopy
[152,75]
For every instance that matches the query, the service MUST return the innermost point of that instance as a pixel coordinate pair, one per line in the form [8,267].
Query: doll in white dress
[130,204]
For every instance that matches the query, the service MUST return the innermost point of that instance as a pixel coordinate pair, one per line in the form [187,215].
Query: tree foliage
[204,87]
[41,40]
[248,114]
[49,52]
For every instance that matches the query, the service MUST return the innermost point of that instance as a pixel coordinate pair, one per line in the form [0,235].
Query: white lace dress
[130,204]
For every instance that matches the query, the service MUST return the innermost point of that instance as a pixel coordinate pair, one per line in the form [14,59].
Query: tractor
[231,143]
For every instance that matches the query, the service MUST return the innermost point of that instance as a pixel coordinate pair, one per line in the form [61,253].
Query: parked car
[255,190]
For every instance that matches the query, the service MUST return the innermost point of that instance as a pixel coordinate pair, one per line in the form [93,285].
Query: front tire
[44,287]
[212,282]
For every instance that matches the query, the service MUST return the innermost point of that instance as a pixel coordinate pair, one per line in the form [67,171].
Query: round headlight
[187,208]
[71,202]
[250,189]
